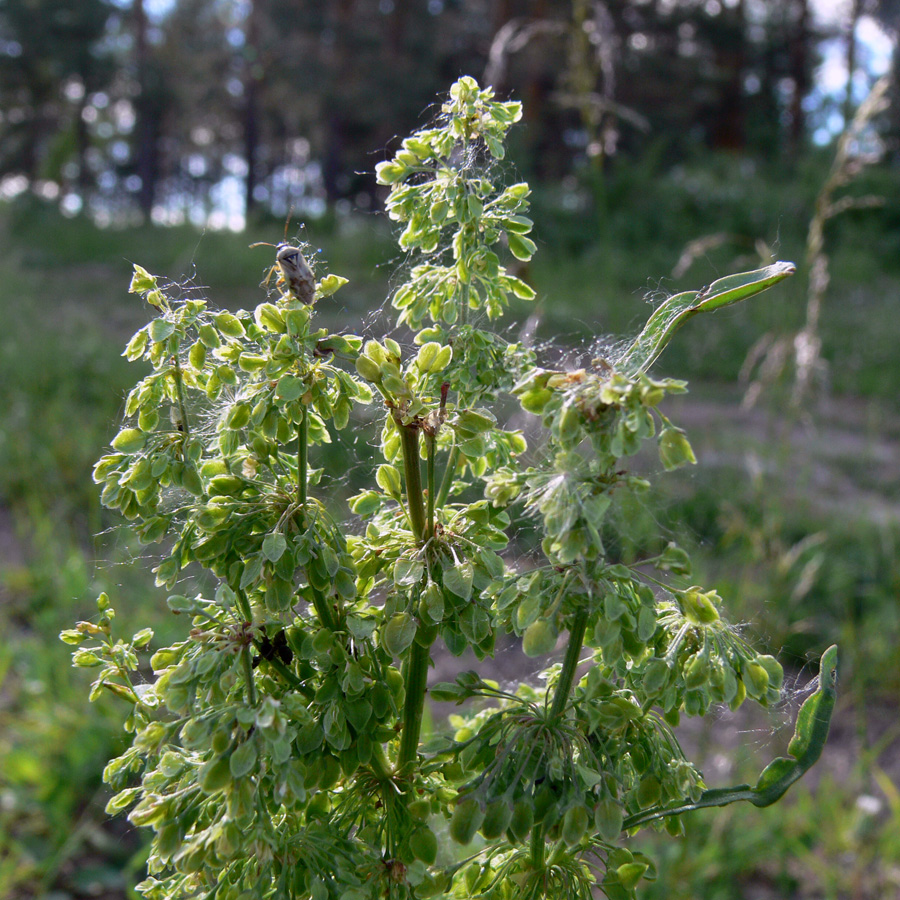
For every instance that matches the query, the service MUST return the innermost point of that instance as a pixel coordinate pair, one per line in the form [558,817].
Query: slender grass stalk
[320,601]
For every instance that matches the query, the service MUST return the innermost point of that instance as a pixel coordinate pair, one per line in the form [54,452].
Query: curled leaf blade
[675,311]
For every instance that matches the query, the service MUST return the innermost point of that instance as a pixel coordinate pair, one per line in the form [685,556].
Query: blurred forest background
[669,142]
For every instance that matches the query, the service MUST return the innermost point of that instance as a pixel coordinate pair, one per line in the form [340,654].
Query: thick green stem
[248,676]
[464,304]
[303,462]
[179,391]
[320,601]
[558,707]
[413,705]
[449,475]
[409,444]
[244,605]
[291,678]
[417,662]
[537,848]
[379,763]
[570,664]
[429,523]
[323,610]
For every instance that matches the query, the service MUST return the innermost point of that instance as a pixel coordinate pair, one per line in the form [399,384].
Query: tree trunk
[252,86]
[397,34]
[336,125]
[145,132]
[730,130]
[82,142]
[855,13]
[799,52]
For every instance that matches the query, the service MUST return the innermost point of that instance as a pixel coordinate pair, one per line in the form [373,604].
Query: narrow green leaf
[358,713]
[431,604]
[446,692]
[252,571]
[540,638]
[522,290]
[629,874]
[675,449]
[136,345]
[197,355]
[474,421]
[672,314]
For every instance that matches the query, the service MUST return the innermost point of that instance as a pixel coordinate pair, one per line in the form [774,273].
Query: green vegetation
[63,382]
[279,747]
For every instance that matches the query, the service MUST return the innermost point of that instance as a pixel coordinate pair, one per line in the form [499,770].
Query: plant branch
[429,463]
[464,304]
[558,707]
[179,390]
[447,479]
[419,656]
[570,663]
[244,606]
[320,601]
[414,704]
[537,848]
[379,763]
[303,462]
[248,676]
[323,610]
[291,678]
[409,444]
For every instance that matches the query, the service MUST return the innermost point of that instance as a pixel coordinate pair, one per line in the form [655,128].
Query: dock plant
[277,749]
